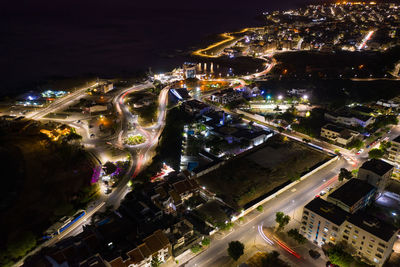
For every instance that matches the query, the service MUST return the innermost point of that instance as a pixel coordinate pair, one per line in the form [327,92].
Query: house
[109,247]
[155,246]
[338,134]
[195,107]
[181,234]
[353,195]
[376,172]
[348,119]
[226,96]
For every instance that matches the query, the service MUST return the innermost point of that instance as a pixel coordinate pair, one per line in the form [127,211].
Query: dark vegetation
[42,180]
[169,146]
[247,177]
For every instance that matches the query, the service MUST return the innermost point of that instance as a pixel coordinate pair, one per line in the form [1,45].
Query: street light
[305,97]
[280,97]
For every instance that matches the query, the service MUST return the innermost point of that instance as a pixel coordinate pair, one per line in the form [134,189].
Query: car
[330,189]
[322,193]
[314,254]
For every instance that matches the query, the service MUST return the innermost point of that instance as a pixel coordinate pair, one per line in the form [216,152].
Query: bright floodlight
[305,97]
[280,97]
[394,213]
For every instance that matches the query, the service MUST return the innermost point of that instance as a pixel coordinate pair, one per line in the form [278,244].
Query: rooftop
[333,128]
[327,210]
[373,225]
[397,139]
[352,191]
[377,166]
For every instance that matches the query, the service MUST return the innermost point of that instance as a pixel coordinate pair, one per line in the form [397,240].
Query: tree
[282,220]
[376,153]
[235,249]
[195,248]
[337,255]
[345,174]
[356,143]
[155,262]
[272,260]
[294,233]
[21,245]
[260,208]
[205,242]
[384,146]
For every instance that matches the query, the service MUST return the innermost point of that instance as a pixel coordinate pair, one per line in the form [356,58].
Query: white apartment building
[394,151]
[376,172]
[323,223]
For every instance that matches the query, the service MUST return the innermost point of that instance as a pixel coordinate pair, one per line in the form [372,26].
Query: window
[346,237]
[348,226]
[371,246]
[380,250]
[376,260]
[347,231]
[355,237]
[306,212]
[378,255]
[353,242]
[326,229]
[372,240]
[356,231]
[334,228]
[360,248]
[369,251]
[382,245]
[305,217]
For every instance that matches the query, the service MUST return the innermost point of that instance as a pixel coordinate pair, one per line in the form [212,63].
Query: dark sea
[47,39]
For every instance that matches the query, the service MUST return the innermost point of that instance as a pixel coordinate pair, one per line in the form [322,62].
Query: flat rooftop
[352,191]
[377,166]
[327,210]
[373,225]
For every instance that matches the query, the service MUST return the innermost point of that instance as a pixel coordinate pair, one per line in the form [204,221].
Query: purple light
[96,174]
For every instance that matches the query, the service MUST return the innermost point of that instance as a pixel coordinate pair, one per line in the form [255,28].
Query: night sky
[46,38]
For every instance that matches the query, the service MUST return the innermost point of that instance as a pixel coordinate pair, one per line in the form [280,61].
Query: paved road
[286,202]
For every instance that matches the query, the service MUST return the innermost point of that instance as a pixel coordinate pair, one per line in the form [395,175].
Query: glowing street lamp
[280,97]
[305,97]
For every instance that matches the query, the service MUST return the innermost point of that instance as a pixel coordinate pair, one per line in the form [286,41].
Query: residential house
[338,134]
[226,96]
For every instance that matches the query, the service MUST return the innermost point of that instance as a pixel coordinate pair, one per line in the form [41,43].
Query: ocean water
[46,39]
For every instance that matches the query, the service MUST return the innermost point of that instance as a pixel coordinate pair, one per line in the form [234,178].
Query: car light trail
[365,40]
[285,247]
[263,236]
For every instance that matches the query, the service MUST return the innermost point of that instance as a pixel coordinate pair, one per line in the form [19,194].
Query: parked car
[314,254]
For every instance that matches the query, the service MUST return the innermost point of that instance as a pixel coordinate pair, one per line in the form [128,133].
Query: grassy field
[248,177]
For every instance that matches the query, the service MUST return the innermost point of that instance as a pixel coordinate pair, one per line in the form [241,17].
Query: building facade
[376,172]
